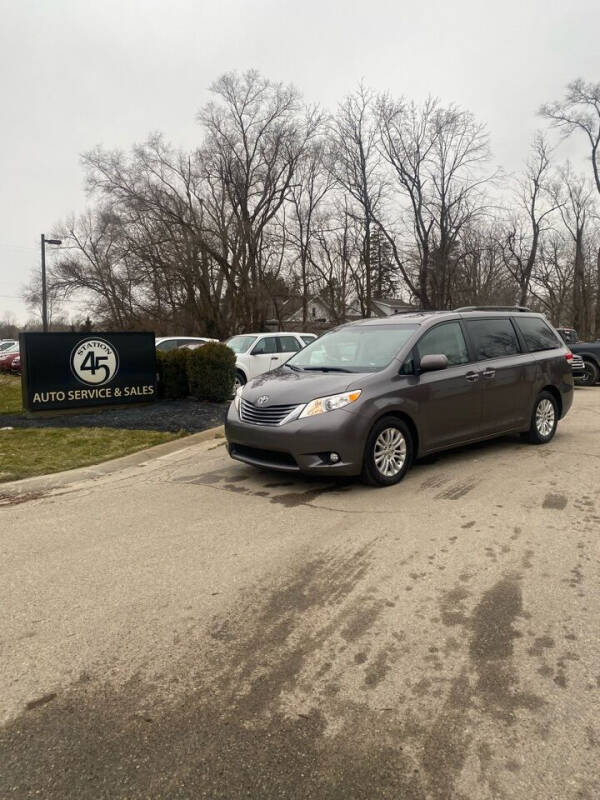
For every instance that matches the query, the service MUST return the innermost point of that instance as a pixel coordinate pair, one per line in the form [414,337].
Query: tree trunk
[597,310]
[579,315]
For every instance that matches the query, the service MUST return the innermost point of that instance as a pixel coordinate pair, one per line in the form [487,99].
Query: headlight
[237,399]
[323,404]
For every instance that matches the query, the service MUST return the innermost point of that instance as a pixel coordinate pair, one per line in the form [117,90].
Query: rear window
[289,344]
[265,346]
[538,334]
[168,344]
[492,338]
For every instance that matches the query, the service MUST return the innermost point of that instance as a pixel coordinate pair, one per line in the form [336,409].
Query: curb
[31,487]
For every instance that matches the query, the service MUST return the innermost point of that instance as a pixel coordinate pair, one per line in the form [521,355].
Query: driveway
[191,627]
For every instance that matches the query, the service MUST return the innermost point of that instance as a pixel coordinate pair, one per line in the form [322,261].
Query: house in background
[318,311]
[386,306]
[320,315]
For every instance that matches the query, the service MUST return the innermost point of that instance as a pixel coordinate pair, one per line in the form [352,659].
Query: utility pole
[43,243]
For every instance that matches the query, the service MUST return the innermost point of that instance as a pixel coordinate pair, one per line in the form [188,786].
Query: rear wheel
[388,452]
[590,376]
[544,419]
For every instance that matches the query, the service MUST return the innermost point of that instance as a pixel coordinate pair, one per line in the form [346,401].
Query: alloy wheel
[544,418]
[389,452]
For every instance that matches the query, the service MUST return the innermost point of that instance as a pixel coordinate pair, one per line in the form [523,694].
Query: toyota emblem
[263,400]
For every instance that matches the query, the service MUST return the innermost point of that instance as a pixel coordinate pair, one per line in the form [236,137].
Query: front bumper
[302,445]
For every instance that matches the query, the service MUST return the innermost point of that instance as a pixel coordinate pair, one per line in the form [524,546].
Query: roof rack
[493,308]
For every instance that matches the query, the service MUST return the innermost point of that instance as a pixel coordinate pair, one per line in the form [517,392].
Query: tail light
[569,356]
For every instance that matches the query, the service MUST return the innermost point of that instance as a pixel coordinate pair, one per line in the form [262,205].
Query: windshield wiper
[327,369]
[296,369]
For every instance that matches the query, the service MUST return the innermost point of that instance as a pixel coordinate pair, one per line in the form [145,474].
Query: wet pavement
[191,627]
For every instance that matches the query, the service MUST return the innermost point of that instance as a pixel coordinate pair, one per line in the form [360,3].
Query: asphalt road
[194,628]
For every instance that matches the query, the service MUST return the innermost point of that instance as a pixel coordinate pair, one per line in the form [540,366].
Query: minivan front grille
[265,415]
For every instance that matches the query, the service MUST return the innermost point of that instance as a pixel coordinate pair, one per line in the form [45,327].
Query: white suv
[166,343]
[256,353]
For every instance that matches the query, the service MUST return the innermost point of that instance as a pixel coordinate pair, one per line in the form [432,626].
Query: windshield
[13,348]
[357,348]
[7,345]
[239,344]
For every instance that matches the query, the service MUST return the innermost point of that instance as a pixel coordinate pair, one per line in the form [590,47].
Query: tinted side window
[537,334]
[445,339]
[289,344]
[164,347]
[265,346]
[492,338]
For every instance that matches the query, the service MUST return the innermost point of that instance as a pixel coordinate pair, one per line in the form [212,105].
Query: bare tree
[357,166]
[436,155]
[257,132]
[312,185]
[579,111]
[552,279]
[520,240]
[574,199]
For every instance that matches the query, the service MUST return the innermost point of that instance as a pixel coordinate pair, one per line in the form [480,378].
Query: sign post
[73,370]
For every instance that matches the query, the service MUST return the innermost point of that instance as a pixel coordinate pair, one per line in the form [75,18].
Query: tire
[389,436]
[240,380]
[590,376]
[544,419]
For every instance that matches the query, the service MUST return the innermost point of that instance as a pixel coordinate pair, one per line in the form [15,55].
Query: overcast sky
[74,74]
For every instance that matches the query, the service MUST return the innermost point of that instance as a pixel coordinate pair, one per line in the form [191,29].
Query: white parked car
[256,353]
[6,344]
[166,343]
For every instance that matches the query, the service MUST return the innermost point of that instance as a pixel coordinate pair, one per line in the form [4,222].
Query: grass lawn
[10,395]
[25,452]
[38,451]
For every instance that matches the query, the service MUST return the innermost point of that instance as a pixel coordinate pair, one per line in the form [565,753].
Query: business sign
[74,370]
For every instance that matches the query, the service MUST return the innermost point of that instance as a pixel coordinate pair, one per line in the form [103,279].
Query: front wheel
[240,380]
[544,419]
[388,452]
[590,376]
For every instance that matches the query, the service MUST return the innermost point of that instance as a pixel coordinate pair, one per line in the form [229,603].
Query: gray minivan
[370,396]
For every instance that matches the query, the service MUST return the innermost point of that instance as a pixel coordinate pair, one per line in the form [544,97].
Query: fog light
[334,458]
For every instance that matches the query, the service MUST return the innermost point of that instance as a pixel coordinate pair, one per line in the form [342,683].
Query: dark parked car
[369,397]
[15,366]
[589,373]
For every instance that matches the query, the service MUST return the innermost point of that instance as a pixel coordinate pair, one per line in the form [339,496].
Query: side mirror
[433,363]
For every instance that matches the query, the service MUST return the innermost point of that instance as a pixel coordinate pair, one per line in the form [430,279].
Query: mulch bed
[164,415]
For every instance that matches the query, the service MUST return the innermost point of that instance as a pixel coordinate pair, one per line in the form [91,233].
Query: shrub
[211,372]
[172,374]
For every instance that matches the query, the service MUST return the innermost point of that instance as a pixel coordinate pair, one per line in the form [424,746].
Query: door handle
[488,373]
[274,358]
[472,376]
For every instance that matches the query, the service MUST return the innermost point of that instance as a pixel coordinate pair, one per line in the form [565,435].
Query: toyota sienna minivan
[369,397]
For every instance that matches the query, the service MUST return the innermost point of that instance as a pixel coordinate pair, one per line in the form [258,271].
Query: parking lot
[191,627]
